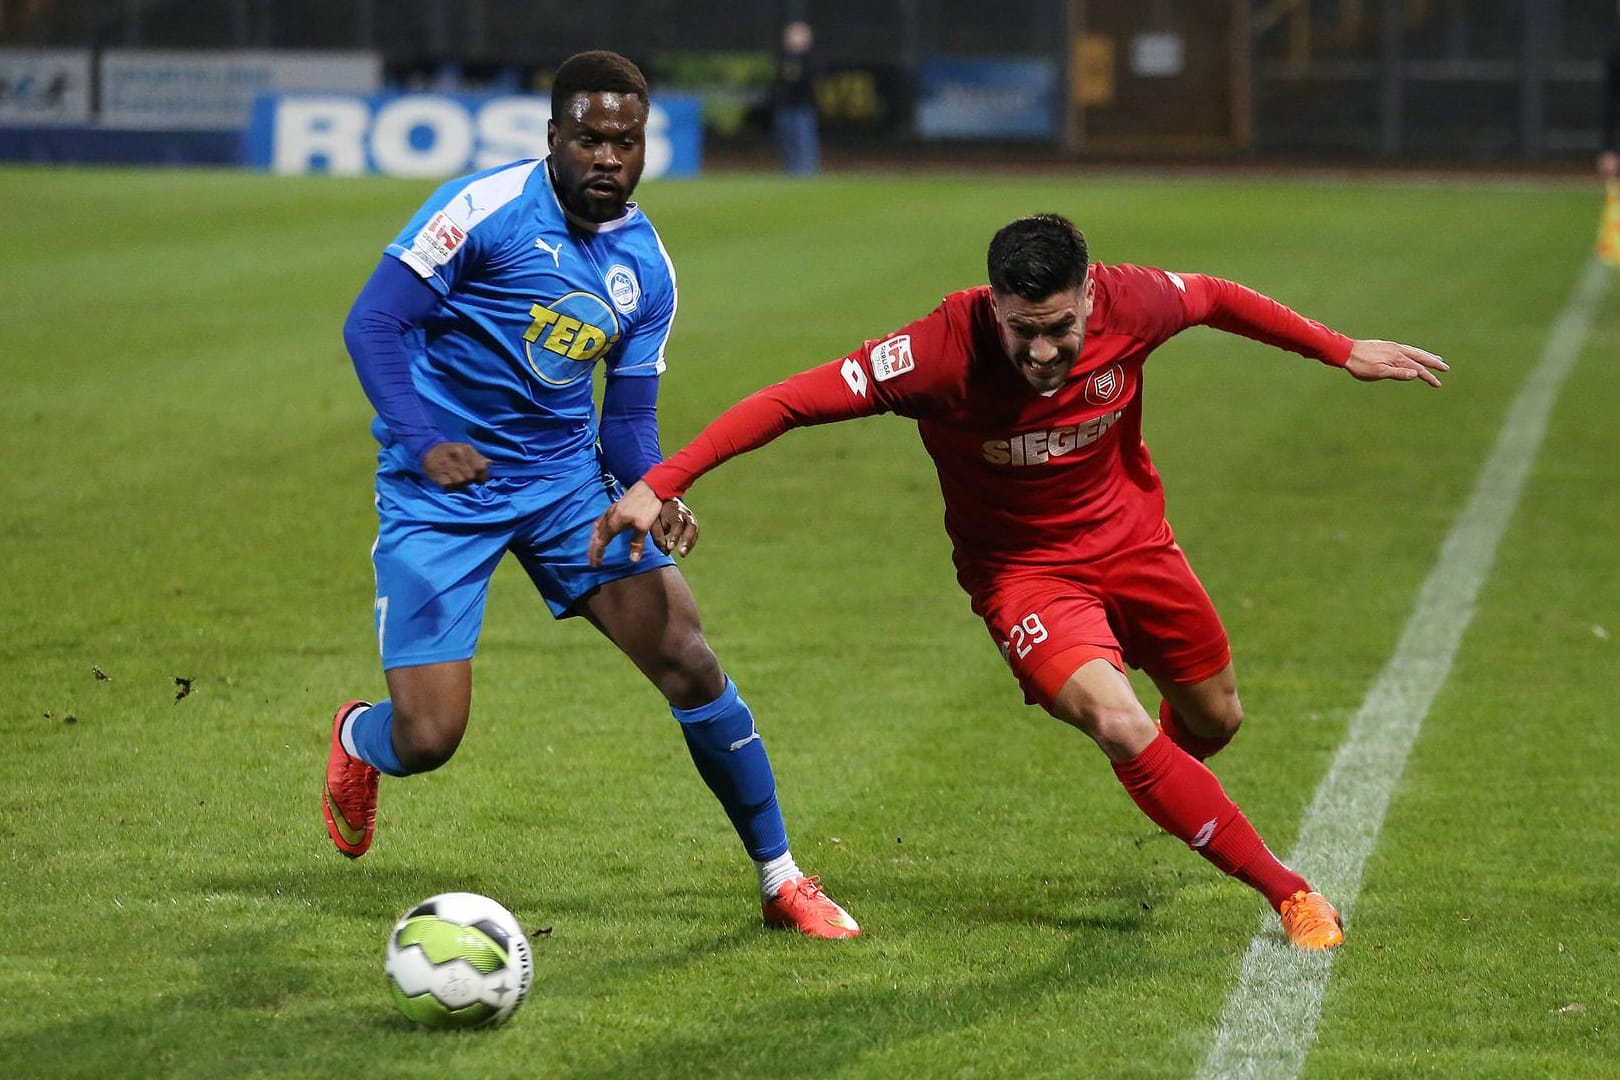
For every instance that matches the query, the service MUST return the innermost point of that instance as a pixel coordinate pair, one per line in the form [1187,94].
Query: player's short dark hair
[1037,256]
[595,72]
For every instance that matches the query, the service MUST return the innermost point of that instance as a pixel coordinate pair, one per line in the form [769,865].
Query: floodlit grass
[186,495]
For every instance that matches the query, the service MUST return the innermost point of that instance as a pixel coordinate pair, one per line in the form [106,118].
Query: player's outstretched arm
[638,511]
[1372,360]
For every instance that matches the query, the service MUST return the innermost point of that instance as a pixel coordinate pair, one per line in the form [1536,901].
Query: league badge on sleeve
[892,357]
[439,239]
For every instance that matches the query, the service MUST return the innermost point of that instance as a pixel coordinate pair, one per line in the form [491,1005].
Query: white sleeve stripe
[411,259]
[674,297]
[481,198]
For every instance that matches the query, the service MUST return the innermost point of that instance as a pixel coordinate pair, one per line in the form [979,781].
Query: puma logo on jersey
[554,252]
[1039,447]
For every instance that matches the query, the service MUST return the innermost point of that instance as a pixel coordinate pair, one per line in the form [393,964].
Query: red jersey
[1029,479]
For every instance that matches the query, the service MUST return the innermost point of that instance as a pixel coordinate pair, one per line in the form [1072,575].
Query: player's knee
[1212,714]
[689,674]
[428,738]
[1120,730]
[1225,716]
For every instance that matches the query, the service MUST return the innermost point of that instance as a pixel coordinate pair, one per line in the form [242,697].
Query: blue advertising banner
[988,98]
[438,135]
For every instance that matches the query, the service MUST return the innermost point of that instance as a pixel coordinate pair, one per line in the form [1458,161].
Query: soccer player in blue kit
[475,339]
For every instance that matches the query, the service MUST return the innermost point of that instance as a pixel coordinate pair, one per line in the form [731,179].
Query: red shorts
[1143,607]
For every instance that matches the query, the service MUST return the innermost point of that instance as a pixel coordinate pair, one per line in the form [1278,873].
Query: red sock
[1199,746]
[1185,800]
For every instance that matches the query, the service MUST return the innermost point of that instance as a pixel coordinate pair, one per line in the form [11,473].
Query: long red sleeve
[820,395]
[1237,309]
[925,363]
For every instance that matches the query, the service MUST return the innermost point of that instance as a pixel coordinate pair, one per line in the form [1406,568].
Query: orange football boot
[349,801]
[801,905]
[1311,922]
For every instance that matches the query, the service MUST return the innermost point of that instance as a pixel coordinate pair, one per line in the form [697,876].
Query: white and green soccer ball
[458,960]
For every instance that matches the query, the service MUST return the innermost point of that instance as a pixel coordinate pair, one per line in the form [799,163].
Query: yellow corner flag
[1608,239]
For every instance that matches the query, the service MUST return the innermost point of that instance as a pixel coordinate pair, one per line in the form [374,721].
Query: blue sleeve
[393,302]
[629,429]
[655,298]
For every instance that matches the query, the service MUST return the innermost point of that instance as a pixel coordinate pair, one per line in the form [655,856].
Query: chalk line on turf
[1269,1021]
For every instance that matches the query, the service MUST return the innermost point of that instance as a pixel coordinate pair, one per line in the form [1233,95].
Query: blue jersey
[530,300]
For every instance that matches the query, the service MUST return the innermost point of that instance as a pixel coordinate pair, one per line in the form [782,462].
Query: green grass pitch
[185,495]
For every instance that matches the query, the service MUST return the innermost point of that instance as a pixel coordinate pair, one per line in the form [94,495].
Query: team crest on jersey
[892,357]
[439,239]
[568,335]
[1103,386]
[623,288]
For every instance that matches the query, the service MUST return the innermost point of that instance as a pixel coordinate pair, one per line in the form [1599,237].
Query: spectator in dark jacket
[793,101]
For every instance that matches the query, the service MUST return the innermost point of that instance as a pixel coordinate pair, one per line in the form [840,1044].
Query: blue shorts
[436,551]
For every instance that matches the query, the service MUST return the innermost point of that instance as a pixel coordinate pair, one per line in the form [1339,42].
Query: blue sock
[730,757]
[372,733]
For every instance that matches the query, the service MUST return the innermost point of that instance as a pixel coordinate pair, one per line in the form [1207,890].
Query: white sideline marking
[1269,1022]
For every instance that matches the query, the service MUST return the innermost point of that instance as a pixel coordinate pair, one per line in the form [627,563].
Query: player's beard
[600,198]
[595,206]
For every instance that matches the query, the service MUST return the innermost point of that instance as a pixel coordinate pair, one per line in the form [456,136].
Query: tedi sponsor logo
[1039,447]
[568,335]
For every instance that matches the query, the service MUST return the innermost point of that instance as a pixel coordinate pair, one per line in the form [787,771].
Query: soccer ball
[458,960]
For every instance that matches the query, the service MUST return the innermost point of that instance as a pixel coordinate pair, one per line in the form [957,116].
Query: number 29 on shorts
[1025,634]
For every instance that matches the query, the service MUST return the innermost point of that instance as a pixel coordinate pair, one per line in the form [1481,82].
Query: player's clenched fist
[676,528]
[454,465]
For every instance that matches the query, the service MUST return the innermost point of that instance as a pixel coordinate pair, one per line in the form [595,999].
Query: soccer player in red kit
[1028,396]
